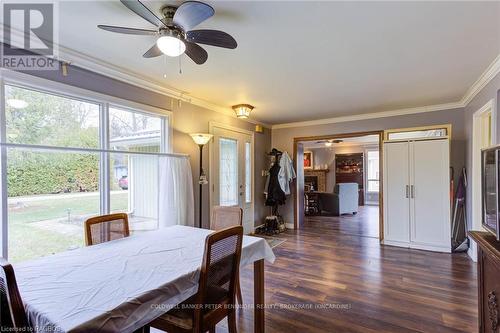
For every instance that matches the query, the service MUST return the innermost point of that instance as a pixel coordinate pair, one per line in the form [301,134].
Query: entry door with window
[232,160]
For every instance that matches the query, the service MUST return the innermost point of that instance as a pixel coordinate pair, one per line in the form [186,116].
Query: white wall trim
[212,125]
[476,204]
[59,88]
[472,251]
[126,75]
[489,74]
[373,115]
[485,78]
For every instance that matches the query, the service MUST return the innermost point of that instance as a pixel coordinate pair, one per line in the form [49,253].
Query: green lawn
[52,223]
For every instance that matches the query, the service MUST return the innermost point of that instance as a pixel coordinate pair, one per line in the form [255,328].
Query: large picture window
[67,158]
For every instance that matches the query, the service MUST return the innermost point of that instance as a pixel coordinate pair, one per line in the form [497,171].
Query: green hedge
[42,173]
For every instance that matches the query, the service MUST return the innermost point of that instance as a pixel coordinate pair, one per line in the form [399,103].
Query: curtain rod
[89,150]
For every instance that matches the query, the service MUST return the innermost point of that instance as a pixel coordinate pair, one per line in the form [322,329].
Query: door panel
[228,172]
[300,208]
[430,207]
[232,172]
[396,180]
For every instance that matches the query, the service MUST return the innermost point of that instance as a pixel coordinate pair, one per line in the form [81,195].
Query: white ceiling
[366,140]
[309,60]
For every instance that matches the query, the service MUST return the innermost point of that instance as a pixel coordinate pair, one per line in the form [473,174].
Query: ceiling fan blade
[128,31]
[212,37]
[140,9]
[196,53]
[192,13]
[154,51]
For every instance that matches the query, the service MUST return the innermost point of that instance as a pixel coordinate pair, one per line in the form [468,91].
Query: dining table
[122,285]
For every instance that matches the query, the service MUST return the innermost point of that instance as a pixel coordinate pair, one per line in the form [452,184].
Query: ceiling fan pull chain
[180,64]
[165,74]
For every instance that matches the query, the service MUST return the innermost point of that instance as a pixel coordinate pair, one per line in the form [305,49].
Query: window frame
[446,127]
[249,172]
[367,151]
[26,81]
[236,141]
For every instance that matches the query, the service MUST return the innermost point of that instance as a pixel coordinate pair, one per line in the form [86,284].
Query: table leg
[258,296]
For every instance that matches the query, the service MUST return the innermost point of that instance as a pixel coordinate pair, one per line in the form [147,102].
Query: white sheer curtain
[176,192]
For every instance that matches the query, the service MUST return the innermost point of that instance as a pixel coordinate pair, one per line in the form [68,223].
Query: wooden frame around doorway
[340,136]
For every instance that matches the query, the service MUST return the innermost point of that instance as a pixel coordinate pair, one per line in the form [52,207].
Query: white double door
[232,172]
[417,195]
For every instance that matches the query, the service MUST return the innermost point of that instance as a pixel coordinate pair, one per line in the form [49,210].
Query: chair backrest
[220,266]
[346,188]
[12,315]
[105,228]
[224,217]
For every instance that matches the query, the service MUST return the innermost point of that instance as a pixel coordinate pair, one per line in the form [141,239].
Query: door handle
[412,191]
[407,191]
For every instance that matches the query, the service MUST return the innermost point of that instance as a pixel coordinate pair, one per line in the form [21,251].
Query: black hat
[275,152]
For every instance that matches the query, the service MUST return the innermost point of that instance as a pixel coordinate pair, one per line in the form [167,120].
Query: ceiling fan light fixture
[243,110]
[171,46]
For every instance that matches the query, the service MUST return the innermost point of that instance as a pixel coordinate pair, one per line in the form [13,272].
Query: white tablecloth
[116,286]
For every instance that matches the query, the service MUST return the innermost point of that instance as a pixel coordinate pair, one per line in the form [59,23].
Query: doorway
[483,134]
[339,183]
[232,170]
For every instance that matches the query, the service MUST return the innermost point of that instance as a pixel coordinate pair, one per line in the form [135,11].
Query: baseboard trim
[395,243]
[414,246]
[434,248]
[472,251]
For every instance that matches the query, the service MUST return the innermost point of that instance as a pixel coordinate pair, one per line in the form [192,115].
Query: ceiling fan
[329,143]
[174,30]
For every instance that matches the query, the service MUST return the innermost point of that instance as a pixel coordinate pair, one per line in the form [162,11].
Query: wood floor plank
[339,260]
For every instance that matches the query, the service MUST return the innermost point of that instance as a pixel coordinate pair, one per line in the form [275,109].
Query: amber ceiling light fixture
[243,110]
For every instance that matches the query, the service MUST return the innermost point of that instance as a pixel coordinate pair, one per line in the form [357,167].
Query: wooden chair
[12,316]
[224,217]
[215,298]
[105,228]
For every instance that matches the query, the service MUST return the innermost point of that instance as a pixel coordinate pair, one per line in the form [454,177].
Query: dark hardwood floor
[365,223]
[377,288]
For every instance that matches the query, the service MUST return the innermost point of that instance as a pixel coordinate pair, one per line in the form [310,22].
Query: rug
[273,241]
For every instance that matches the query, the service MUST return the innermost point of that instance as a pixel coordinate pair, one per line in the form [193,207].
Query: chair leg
[239,296]
[231,320]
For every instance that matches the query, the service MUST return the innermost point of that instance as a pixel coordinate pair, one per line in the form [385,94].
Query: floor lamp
[201,139]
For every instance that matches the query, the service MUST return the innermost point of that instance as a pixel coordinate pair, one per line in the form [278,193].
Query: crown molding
[485,78]
[489,74]
[126,75]
[373,115]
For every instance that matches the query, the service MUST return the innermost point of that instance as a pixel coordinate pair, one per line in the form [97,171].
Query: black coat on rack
[275,195]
